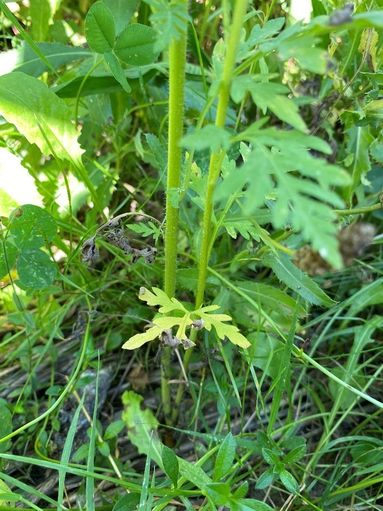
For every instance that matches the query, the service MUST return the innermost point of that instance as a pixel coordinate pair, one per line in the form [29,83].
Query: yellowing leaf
[160,298]
[139,339]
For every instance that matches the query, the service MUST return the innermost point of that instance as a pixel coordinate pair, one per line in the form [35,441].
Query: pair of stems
[177,62]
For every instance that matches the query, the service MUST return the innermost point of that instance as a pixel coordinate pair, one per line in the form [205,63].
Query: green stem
[218,156]
[214,171]
[359,211]
[177,62]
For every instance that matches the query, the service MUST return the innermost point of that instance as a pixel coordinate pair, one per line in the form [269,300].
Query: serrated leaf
[117,71]
[160,298]
[223,330]
[302,201]
[31,227]
[99,28]
[288,481]
[295,279]
[169,20]
[269,95]
[210,136]
[261,33]
[41,116]
[135,45]
[225,457]
[35,268]
[170,463]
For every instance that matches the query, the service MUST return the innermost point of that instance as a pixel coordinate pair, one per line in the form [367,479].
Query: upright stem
[218,156]
[177,61]
[214,171]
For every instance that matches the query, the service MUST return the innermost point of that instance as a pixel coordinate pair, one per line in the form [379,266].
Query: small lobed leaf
[99,28]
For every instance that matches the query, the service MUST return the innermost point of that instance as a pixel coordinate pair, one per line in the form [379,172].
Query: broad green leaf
[135,45]
[35,268]
[269,95]
[122,11]
[261,33]
[41,14]
[142,432]
[170,463]
[265,479]
[288,481]
[209,136]
[297,43]
[31,227]
[25,60]
[225,457]
[219,493]
[39,115]
[113,429]
[99,28]
[271,297]
[117,71]
[295,279]
[142,427]
[8,254]
[127,502]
